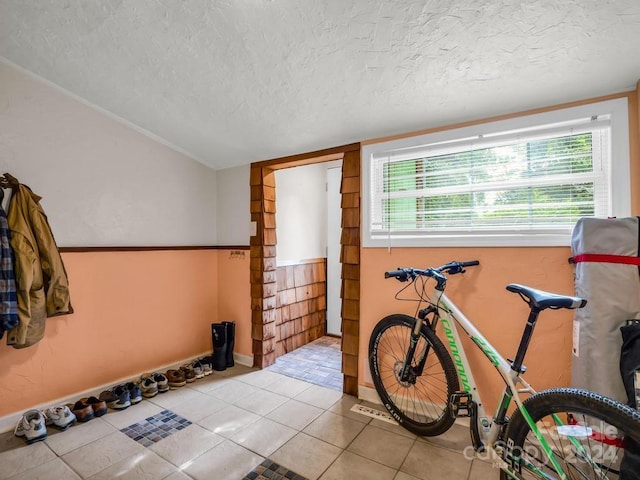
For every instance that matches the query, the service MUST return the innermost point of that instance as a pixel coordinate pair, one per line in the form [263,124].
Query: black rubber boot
[230,329]
[219,339]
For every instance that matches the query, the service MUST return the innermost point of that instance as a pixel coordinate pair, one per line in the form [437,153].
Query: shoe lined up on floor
[99,406]
[81,410]
[32,426]
[160,380]
[176,378]
[135,393]
[118,398]
[189,373]
[60,417]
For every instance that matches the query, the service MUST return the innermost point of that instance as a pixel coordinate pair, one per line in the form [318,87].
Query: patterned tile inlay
[155,428]
[269,470]
[318,362]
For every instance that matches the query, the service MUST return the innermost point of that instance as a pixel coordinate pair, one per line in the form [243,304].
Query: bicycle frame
[450,316]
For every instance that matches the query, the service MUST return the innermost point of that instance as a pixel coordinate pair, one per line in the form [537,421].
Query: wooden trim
[319,156]
[497,118]
[151,248]
[290,263]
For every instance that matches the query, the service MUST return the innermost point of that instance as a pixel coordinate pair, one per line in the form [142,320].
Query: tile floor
[226,425]
[318,362]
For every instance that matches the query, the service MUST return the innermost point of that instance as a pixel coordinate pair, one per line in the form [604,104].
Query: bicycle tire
[422,407]
[587,447]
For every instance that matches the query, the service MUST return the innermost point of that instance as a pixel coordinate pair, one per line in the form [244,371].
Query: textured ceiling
[235,81]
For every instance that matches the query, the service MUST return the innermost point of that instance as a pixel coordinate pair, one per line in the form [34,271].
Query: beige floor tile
[131,415]
[228,421]
[104,452]
[184,446]
[79,435]
[295,414]
[392,427]
[260,378]
[483,471]
[199,407]
[177,476]
[225,461]
[261,402]
[145,465]
[233,391]
[210,383]
[457,438]
[429,462]
[381,446]
[334,429]
[320,397]
[23,458]
[404,476]
[8,441]
[289,387]
[305,455]
[179,396]
[352,466]
[264,436]
[55,469]
[343,407]
[236,370]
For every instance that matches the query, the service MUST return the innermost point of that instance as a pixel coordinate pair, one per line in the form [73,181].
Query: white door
[334,230]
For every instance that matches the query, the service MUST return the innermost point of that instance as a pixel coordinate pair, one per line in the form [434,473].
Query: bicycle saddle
[540,300]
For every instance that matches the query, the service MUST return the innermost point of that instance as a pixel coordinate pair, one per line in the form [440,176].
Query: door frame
[263,255]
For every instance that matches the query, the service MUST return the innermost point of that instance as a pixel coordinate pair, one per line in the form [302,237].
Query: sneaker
[149,387]
[118,398]
[189,373]
[198,368]
[99,406]
[60,417]
[135,393]
[207,366]
[81,410]
[161,380]
[176,378]
[32,426]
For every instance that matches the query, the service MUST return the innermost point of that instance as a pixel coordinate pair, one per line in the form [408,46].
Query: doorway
[263,265]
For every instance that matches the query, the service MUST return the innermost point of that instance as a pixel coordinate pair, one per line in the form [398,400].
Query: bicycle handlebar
[451,268]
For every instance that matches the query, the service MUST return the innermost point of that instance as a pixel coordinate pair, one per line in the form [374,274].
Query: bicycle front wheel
[419,403]
[589,436]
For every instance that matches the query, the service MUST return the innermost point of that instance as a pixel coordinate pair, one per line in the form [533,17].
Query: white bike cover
[613,294]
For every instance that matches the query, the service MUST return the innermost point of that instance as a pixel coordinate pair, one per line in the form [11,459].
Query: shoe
[149,387]
[198,368]
[160,379]
[32,426]
[189,373]
[118,398]
[81,410]
[207,367]
[60,417]
[219,339]
[135,393]
[230,329]
[99,406]
[176,378]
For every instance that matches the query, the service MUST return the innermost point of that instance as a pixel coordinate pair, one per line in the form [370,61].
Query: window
[524,181]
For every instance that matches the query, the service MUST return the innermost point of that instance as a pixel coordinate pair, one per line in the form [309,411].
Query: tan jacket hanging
[41,279]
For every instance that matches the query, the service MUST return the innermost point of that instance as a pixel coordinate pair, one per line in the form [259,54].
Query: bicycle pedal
[461,404]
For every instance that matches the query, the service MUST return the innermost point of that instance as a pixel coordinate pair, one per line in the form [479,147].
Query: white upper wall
[233,214]
[102,183]
[301,212]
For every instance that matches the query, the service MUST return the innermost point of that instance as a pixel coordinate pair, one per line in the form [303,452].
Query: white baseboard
[8,422]
[368,394]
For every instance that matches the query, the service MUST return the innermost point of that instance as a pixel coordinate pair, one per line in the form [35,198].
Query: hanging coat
[8,298]
[41,280]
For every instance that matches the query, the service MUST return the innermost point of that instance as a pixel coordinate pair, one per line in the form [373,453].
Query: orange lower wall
[481,295]
[134,311]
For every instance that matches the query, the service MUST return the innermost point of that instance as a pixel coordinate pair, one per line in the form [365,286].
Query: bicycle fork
[408,373]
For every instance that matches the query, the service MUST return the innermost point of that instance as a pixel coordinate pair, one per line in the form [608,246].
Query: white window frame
[619,181]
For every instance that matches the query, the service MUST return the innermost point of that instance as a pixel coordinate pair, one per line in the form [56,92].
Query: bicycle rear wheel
[585,432]
[420,404]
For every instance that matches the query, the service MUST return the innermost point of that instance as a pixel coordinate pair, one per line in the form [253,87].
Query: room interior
[152,133]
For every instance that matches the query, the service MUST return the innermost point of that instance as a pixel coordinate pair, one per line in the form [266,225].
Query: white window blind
[538,180]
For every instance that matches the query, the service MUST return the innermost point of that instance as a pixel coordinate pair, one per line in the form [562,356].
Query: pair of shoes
[99,406]
[117,398]
[207,365]
[60,417]
[160,379]
[32,426]
[149,387]
[82,411]
[198,368]
[190,374]
[176,378]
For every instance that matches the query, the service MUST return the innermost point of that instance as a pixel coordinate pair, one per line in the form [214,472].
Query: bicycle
[557,433]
